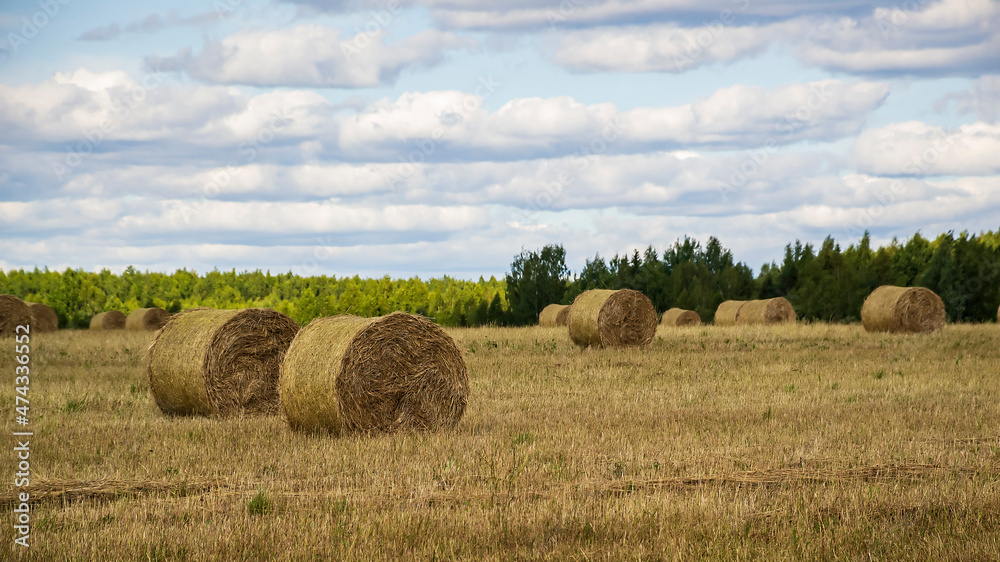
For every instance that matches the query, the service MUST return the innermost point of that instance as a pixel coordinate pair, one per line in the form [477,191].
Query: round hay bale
[902,309]
[43,318]
[562,319]
[146,319]
[13,313]
[345,373]
[110,320]
[612,318]
[549,317]
[219,362]
[725,315]
[680,317]
[768,311]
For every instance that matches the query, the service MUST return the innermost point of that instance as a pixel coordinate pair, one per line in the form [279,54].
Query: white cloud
[70,106]
[948,37]
[291,200]
[219,128]
[737,116]
[982,99]
[944,15]
[431,239]
[500,15]
[154,23]
[62,213]
[918,149]
[282,218]
[312,56]
[661,47]
[314,257]
[140,217]
[81,128]
[904,208]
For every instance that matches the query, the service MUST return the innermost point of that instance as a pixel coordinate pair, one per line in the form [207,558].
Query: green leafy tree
[495,313]
[536,279]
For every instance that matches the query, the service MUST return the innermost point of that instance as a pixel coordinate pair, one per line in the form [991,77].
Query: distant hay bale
[562,319]
[549,317]
[110,320]
[146,319]
[768,311]
[612,319]
[13,313]
[395,372]
[902,309]
[219,362]
[680,317]
[43,318]
[726,314]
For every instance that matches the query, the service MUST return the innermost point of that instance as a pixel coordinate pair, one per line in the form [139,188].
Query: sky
[443,137]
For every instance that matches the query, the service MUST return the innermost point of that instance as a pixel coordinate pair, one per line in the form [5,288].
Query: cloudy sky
[437,137]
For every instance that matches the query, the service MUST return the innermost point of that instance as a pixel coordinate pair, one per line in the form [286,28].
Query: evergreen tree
[536,280]
[495,314]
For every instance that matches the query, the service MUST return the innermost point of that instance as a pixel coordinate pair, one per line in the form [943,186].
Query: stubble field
[808,441]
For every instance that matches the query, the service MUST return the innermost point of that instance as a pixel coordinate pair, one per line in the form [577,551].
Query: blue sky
[443,136]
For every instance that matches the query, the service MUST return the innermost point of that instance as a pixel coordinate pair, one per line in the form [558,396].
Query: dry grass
[48,490]
[774,442]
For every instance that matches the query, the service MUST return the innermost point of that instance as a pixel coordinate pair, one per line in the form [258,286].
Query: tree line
[77,295]
[826,283]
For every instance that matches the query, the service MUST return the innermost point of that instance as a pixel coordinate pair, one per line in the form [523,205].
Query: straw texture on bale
[110,320]
[726,314]
[562,319]
[219,362]
[549,317]
[43,318]
[902,309]
[13,313]
[612,319]
[147,319]
[768,311]
[680,317]
[395,372]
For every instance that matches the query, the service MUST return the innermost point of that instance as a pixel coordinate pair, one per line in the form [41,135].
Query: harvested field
[806,441]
